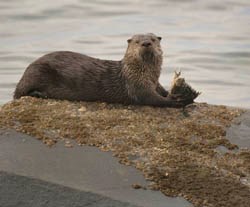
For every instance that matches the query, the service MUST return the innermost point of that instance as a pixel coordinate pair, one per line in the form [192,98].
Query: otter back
[73,76]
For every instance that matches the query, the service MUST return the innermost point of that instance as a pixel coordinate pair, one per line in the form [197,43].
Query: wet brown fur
[72,76]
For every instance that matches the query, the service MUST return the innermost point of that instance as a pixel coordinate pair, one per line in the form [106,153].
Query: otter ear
[129,40]
[159,38]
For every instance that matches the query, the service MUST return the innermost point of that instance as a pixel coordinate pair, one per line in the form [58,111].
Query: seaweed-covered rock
[177,153]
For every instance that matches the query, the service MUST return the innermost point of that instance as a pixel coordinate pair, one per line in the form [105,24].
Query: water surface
[208,40]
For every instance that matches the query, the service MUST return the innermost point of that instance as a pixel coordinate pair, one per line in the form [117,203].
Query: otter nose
[146,44]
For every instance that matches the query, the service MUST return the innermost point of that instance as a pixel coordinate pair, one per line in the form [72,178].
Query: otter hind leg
[37,94]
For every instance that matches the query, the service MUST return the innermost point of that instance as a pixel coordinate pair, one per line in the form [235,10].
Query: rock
[174,151]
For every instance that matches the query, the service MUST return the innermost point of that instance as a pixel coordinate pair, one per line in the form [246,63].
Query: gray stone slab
[81,168]
[239,132]
[20,191]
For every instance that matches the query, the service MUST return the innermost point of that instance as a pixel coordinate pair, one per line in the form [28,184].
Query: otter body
[72,76]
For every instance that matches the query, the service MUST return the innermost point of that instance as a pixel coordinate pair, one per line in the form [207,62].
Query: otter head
[144,48]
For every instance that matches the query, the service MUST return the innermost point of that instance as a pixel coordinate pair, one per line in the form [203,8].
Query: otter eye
[129,40]
[159,38]
[153,39]
[137,41]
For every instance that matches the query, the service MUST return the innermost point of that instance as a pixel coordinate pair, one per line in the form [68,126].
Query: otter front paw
[178,102]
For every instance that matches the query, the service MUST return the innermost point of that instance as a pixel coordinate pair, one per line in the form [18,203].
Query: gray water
[209,40]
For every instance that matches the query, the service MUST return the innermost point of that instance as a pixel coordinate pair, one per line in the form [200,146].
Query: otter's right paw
[178,101]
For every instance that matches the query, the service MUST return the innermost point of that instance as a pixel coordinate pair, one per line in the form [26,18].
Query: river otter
[72,76]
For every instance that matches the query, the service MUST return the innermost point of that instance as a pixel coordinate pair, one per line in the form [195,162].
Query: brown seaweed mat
[176,150]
